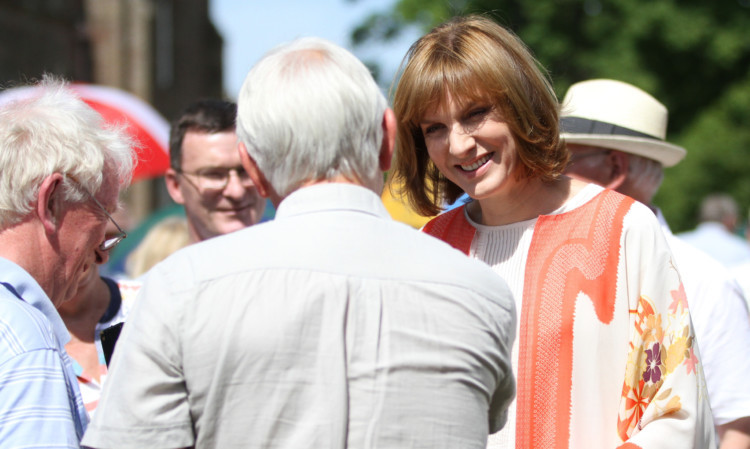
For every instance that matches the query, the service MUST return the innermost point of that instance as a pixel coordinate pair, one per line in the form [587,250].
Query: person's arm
[144,402]
[664,400]
[723,331]
[36,408]
[735,434]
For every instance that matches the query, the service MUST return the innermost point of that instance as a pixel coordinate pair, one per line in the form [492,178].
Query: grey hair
[645,175]
[54,131]
[309,110]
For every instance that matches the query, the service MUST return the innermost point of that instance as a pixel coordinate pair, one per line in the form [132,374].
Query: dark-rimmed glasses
[111,242]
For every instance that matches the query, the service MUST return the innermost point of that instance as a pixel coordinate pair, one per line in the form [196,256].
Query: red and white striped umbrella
[146,126]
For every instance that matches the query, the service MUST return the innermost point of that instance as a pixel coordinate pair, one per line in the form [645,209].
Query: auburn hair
[473,59]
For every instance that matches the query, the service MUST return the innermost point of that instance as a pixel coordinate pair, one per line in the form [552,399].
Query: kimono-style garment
[606,355]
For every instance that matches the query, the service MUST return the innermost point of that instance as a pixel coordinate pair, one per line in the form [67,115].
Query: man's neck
[23,244]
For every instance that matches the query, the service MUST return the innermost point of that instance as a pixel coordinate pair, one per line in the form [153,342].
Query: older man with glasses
[61,170]
[206,175]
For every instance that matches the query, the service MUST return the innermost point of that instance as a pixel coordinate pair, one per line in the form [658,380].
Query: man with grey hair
[330,327]
[61,170]
[616,136]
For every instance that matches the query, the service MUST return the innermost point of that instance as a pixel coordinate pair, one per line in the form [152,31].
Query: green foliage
[693,55]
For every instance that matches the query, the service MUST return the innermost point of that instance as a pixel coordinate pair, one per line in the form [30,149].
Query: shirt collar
[331,196]
[32,293]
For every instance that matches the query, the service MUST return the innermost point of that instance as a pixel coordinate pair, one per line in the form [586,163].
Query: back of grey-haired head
[718,207]
[310,110]
[54,131]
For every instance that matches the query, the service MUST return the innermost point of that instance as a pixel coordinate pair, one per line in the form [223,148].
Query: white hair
[310,110]
[55,132]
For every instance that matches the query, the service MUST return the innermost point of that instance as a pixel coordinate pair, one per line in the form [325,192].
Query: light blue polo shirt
[40,404]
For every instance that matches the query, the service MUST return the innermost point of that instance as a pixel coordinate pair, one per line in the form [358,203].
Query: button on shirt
[40,405]
[330,327]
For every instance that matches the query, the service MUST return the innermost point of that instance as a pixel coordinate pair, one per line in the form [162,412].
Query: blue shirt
[40,404]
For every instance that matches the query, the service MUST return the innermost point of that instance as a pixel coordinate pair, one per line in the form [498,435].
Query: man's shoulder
[444,264]
[374,247]
[23,328]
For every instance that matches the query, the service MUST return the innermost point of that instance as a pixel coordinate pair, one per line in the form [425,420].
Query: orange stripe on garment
[573,252]
[453,228]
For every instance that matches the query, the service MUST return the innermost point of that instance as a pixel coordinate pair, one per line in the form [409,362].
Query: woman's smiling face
[472,145]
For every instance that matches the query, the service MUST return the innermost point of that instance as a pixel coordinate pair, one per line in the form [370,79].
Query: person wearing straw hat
[616,133]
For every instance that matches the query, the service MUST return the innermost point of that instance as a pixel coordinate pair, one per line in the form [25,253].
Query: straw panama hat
[616,115]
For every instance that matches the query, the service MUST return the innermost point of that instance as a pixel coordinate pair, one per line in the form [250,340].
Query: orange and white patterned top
[605,353]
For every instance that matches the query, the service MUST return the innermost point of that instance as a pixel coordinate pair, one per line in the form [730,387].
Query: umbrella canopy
[146,126]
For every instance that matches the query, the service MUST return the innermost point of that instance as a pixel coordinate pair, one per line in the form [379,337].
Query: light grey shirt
[330,327]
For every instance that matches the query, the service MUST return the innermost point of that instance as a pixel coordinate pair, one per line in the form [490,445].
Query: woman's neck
[528,200]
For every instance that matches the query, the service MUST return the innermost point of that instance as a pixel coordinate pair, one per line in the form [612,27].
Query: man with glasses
[61,170]
[206,175]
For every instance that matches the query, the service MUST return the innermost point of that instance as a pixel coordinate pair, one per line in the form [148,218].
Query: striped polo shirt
[40,404]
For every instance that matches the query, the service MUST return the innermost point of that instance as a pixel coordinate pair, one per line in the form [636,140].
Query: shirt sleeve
[664,402]
[36,406]
[144,402]
[724,339]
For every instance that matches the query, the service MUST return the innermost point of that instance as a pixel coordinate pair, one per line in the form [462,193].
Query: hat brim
[664,152]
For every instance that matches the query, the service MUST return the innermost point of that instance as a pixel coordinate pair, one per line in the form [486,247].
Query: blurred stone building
[167,52]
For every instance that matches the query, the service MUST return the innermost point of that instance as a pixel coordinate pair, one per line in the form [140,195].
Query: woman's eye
[478,112]
[431,129]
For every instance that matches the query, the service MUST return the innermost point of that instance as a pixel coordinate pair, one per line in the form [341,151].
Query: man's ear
[619,164]
[389,140]
[50,202]
[173,186]
[251,167]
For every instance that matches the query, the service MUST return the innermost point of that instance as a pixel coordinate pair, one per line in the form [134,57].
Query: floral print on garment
[661,345]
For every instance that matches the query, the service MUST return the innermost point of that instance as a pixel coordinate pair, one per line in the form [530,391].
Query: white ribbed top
[505,248]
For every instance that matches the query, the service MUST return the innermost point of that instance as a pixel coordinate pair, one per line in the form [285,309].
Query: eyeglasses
[111,242]
[216,179]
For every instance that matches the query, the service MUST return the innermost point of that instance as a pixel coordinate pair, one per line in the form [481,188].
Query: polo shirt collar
[24,286]
[331,196]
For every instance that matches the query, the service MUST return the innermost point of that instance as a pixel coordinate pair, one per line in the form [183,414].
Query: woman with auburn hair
[605,354]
